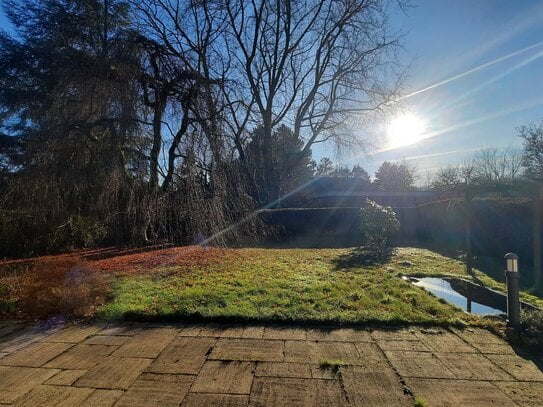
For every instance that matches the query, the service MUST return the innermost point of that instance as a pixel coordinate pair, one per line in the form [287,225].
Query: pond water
[442,288]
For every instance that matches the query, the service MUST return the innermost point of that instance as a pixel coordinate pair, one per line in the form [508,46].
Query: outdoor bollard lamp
[513,301]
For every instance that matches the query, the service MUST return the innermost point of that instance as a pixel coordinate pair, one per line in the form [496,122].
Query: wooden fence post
[468,196]
[537,237]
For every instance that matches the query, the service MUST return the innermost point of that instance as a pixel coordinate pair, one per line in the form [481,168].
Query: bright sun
[404,130]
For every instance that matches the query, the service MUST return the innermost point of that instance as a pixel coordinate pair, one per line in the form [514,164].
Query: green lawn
[301,285]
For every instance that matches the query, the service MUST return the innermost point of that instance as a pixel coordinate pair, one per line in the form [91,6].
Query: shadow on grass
[363,257]
[328,324]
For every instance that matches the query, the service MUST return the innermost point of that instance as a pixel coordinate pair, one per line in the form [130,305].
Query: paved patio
[226,365]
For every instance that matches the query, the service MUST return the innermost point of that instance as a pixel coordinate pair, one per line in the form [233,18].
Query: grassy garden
[288,285]
[304,285]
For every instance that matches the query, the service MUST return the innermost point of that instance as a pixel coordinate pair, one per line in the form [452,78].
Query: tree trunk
[157,143]
[271,193]
[173,149]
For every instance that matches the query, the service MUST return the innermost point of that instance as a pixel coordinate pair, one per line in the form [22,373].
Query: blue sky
[3,20]
[447,38]
[444,39]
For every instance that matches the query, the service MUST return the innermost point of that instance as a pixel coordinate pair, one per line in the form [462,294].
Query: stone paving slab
[494,348]
[315,352]
[102,398]
[121,330]
[231,377]
[370,354]
[54,396]
[221,331]
[416,346]
[331,393]
[475,367]
[66,377]
[17,381]
[394,334]
[274,369]
[151,390]
[528,394]
[159,330]
[518,367]
[189,330]
[253,332]
[114,373]
[283,392]
[339,335]
[73,334]
[35,355]
[453,393]
[418,364]
[9,327]
[283,333]
[81,357]
[477,335]
[183,356]
[112,340]
[444,341]
[23,337]
[374,387]
[144,345]
[248,350]
[240,365]
[215,400]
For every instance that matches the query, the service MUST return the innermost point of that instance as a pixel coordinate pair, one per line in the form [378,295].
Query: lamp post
[513,301]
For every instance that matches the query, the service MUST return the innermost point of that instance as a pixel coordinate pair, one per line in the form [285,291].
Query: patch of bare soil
[76,284]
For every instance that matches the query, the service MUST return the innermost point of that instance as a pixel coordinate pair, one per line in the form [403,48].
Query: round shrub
[378,224]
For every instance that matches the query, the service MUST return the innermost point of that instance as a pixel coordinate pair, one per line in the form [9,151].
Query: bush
[378,224]
[82,231]
[26,233]
[532,328]
[51,286]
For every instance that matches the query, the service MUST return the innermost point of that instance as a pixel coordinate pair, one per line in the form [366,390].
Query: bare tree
[311,64]
[496,165]
[488,165]
[447,178]
[188,67]
[532,157]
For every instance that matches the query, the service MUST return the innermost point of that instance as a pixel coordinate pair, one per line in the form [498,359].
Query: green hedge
[314,227]
[498,226]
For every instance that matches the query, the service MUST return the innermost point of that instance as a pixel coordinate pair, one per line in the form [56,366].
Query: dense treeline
[133,122]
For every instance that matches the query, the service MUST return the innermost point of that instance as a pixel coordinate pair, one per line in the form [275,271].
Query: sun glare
[404,130]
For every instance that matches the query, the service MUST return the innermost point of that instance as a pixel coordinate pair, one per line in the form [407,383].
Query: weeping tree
[182,88]
[68,96]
